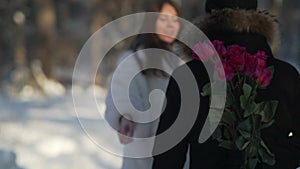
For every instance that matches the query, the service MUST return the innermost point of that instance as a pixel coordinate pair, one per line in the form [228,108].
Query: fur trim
[260,22]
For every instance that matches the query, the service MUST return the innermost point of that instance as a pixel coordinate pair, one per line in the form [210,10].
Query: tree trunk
[45,22]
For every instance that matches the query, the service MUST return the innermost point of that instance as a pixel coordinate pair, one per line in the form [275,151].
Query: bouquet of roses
[243,117]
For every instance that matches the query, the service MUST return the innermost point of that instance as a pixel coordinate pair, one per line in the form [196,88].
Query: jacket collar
[250,21]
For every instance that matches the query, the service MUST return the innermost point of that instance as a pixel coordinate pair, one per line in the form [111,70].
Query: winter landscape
[40,125]
[44,132]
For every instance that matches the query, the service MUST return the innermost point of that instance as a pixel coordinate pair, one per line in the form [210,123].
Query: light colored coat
[139,90]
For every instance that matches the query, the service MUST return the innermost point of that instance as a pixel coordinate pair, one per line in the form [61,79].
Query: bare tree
[46,26]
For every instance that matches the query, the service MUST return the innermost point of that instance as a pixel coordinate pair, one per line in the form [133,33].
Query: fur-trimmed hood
[259,22]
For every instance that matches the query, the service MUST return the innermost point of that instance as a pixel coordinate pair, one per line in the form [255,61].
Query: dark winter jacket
[256,31]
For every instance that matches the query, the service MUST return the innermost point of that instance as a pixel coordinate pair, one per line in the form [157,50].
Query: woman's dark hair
[151,40]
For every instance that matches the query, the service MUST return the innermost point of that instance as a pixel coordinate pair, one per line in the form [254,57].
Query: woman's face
[167,24]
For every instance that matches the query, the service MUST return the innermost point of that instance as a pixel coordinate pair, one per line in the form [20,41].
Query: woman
[238,22]
[167,27]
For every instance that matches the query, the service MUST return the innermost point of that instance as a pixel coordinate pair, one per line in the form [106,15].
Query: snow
[44,132]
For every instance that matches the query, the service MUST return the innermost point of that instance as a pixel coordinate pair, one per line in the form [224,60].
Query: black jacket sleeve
[175,157]
[187,99]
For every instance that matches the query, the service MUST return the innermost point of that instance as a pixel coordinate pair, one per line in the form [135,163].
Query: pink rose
[261,63]
[236,56]
[265,78]
[258,72]
[203,51]
[220,48]
[250,65]
[229,71]
[261,55]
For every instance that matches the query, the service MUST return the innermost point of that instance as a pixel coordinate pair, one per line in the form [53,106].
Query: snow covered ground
[45,133]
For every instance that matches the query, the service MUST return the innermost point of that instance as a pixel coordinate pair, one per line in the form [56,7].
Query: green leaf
[243,100]
[247,90]
[266,125]
[251,82]
[241,143]
[251,109]
[256,123]
[246,125]
[272,106]
[253,151]
[246,135]
[251,163]
[227,145]
[266,155]
[206,90]
[228,117]
[268,110]
[229,99]
[266,148]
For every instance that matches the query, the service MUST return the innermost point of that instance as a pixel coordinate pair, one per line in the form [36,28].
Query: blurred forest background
[41,39]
